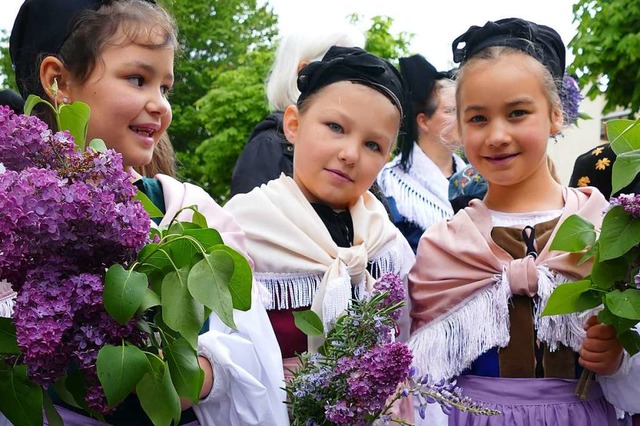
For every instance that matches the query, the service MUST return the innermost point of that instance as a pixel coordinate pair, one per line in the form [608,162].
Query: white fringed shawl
[298,261]
[421,194]
[7,299]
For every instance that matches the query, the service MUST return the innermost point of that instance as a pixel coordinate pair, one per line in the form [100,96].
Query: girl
[267,153]
[318,237]
[482,279]
[416,181]
[117,57]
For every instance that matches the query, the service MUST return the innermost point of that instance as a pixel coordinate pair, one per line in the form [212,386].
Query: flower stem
[582,389]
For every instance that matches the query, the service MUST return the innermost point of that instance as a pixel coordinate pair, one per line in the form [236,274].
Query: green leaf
[180,310]
[32,101]
[21,400]
[185,371]
[605,274]
[308,322]
[199,219]
[630,341]
[564,299]
[98,145]
[241,280]
[605,316]
[625,169]
[574,235]
[8,341]
[53,417]
[75,119]
[625,304]
[123,292]
[591,251]
[589,300]
[63,393]
[620,232]
[183,252]
[149,300]
[206,237]
[157,395]
[152,210]
[624,135]
[120,368]
[209,284]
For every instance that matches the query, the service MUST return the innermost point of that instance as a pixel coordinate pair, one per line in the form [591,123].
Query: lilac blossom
[393,285]
[570,97]
[630,203]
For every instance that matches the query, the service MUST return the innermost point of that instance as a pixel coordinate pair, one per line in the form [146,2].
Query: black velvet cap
[351,64]
[539,41]
[11,99]
[40,29]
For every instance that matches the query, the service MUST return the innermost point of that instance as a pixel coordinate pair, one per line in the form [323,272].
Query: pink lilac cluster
[371,378]
[66,217]
[570,97]
[629,202]
[392,284]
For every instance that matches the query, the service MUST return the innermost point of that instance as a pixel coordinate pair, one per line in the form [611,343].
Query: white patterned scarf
[298,261]
[421,194]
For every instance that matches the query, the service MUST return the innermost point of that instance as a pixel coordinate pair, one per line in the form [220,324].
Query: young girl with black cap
[320,236]
[117,56]
[482,279]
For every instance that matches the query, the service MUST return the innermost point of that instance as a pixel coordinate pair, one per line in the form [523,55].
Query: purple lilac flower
[630,203]
[371,379]
[66,216]
[570,98]
[392,284]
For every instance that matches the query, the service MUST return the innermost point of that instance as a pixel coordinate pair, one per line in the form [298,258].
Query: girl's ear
[422,121]
[556,122]
[302,64]
[291,123]
[52,70]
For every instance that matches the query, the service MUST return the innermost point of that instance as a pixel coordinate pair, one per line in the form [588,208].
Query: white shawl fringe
[448,345]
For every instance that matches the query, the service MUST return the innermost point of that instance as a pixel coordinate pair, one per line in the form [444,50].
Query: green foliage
[7,76]
[231,108]
[214,36]
[607,50]
[614,276]
[308,322]
[382,42]
[21,400]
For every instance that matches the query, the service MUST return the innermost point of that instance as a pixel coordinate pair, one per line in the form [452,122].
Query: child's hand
[601,350]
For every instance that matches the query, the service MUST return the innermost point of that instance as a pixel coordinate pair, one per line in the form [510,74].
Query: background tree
[607,50]
[7,76]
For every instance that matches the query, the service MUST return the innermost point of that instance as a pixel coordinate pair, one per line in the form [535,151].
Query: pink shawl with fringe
[457,258]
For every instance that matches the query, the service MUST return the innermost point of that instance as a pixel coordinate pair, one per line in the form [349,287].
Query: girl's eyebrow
[517,101]
[148,68]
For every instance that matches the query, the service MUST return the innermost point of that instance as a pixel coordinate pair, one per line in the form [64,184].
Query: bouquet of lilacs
[613,286]
[360,373]
[105,304]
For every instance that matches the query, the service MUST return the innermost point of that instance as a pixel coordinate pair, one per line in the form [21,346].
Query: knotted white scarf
[298,261]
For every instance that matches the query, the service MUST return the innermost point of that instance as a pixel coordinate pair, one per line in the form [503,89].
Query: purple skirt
[71,418]
[525,402]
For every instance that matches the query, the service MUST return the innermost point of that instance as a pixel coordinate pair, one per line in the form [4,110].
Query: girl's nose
[158,104]
[349,152]
[498,134]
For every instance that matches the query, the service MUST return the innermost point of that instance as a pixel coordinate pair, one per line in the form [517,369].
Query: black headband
[539,41]
[351,64]
[40,29]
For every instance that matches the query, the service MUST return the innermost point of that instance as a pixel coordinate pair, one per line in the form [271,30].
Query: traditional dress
[418,197]
[300,263]
[478,289]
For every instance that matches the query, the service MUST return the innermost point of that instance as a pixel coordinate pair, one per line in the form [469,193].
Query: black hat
[40,28]
[11,99]
[351,64]
[539,41]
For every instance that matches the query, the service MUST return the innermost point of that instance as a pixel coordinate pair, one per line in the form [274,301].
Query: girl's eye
[136,79]
[373,146]
[449,111]
[335,127]
[519,113]
[477,119]
[165,90]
